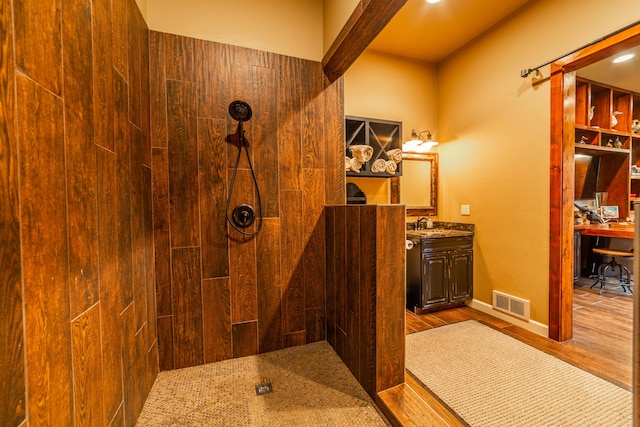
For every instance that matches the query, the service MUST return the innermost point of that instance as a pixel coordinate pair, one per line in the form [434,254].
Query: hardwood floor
[601,345]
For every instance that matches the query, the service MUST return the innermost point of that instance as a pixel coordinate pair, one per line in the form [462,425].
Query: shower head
[240,111]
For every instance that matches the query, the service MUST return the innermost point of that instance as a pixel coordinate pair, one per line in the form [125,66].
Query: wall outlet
[465,209]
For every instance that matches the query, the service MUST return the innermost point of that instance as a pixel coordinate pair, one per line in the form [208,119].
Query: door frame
[561,170]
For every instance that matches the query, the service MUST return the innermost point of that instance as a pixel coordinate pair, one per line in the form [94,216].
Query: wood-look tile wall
[77,298]
[221,294]
[365,291]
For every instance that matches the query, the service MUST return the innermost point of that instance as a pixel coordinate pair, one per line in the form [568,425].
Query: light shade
[418,144]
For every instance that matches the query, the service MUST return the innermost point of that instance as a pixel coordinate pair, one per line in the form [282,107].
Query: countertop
[442,230]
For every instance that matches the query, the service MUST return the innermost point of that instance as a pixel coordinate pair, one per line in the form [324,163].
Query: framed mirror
[417,188]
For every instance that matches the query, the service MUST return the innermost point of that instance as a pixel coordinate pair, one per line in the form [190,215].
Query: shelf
[597,150]
[382,136]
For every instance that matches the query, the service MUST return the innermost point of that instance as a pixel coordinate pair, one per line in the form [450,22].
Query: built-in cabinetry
[439,273]
[607,144]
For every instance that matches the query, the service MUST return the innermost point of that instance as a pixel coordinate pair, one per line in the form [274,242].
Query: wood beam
[364,24]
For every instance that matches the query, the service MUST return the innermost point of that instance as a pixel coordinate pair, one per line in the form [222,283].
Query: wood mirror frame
[432,209]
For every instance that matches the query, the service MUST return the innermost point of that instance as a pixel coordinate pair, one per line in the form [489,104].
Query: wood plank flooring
[601,345]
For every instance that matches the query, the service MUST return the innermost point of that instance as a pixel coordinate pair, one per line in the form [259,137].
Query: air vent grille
[512,305]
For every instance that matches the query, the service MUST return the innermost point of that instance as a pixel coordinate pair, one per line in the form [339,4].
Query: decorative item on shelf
[361,152]
[395,155]
[379,166]
[417,144]
[609,143]
[617,143]
[635,126]
[347,163]
[635,170]
[592,111]
[614,119]
[583,140]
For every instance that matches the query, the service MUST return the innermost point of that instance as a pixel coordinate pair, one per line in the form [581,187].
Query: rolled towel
[356,165]
[378,166]
[395,155]
[391,167]
[347,162]
[361,152]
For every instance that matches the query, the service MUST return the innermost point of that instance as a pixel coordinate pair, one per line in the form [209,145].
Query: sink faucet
[419,221]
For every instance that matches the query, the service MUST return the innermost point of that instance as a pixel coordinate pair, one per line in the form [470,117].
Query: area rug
[488,378]
[310,387]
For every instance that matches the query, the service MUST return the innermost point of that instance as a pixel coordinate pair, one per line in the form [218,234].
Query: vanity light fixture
[418,144]
[623,58]
[433,1]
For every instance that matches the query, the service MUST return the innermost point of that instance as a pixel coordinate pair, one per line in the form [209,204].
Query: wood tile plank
[268,286]
[289,124]
[216,317]
[179,55]
[330,222]
[158,90]
[122,146]
[404,407]
[165,343]
[162,245]
[335,181]
[183,164]
[340,255]
[38,42]
[12,382]
[80,156]
[316,324]
[102,74]
[264,147]
[390,346]
[291,238]
[367,296]
[138,191]
[213,66]
[314,255]
[44,254]
[245,339]
[187,307]
[294,339]
[134,57]
[313,141]
[119,38]
[213,196]
[87,368]
[110,299]
[149,278]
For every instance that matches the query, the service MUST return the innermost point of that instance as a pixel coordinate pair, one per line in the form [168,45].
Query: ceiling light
[623,58]
[433,1]
[418,144]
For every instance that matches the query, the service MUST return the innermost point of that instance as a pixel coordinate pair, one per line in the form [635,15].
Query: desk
[613,230]
[606,230]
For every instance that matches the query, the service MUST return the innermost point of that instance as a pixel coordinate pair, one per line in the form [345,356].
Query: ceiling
[431,32]
[623,75]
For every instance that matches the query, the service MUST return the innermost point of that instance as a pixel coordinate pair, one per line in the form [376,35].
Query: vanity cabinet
[439,273]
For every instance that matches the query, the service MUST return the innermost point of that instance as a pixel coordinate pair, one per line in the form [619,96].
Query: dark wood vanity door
[461,275]
[435,279]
